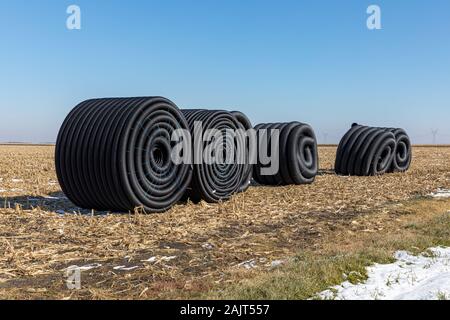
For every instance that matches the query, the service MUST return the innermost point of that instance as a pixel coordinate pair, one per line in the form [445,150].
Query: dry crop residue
[187,248]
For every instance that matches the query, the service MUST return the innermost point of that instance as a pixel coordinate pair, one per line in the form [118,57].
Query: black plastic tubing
[298,155]
[214,182]
[368,151]
[115,154]
[403,151]
[245,125]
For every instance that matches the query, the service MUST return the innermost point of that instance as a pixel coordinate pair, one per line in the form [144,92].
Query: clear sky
[311,61]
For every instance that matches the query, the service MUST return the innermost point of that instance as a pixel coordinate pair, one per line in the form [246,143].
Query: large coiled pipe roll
[214,181]
[403,151]
[297,153]
[115,154]
[245,125]
[368,151]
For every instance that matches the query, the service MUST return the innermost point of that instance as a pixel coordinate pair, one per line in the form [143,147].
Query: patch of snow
[125,268]
[441,193]
[52,198]
[160,259]
[2,190]
[276,263]
[249,264]
[90,266]
[16,180]
[166,259]
[207,246]
[423,277]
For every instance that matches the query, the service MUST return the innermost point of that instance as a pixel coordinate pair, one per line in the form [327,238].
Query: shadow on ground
[54,202]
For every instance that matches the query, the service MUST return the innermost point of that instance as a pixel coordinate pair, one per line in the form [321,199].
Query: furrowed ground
[270,242]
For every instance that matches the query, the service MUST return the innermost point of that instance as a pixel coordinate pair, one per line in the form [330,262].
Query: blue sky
[311,61]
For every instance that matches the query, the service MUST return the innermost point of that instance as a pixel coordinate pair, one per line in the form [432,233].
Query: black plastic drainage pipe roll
[114,154]
[297,153]
[403,151]
[212,180]
[245,125]
[368,151]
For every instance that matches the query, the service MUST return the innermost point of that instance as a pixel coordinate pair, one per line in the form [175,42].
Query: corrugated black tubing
[403,151]
[216,181]
[298,155]
[245,125]
[369,151]
[115,154]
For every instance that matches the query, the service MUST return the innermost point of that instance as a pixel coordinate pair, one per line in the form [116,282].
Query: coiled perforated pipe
[115,154]
[403,151]
[245,125]
[297,154]
[366,151]
[218,180]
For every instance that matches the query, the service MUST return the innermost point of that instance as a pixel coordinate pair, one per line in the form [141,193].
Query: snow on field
[125,268]
[441,193]
[423,277]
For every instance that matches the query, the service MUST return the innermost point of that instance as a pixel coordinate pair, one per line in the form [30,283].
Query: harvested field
[191,249]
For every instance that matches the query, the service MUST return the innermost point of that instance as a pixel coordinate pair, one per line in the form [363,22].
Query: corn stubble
[206,243]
